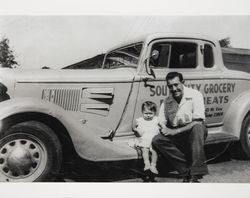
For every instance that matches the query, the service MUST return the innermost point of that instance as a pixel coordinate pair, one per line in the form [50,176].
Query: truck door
[182,55]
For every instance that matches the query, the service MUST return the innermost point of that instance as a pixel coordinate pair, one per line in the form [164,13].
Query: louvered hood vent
[90,100]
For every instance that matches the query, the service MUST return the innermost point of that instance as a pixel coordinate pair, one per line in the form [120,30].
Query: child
[146,128]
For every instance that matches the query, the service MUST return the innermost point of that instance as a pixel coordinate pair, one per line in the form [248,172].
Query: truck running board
[214,138]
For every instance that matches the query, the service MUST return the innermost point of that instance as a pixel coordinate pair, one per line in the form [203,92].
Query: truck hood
[56,75]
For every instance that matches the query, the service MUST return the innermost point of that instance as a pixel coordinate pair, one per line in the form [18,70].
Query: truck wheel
[245,137]
[29,151]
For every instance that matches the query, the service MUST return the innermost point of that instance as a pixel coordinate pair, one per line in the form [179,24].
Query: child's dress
[148,129]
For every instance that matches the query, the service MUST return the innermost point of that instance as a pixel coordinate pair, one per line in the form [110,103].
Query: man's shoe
[186,179]
[195,179]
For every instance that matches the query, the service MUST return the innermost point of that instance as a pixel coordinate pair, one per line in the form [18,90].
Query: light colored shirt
[147,126]
[190,108]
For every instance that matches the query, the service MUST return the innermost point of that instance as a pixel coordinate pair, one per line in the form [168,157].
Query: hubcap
[22,159]
[19,160]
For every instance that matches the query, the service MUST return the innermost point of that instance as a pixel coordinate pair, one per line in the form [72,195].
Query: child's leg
[145,156]
[154,157]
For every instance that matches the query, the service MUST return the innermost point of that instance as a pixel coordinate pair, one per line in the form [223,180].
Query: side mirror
[155,54]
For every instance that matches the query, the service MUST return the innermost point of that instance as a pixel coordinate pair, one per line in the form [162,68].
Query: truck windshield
[123,57]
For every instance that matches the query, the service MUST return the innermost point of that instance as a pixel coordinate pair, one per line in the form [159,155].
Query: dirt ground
[224,168]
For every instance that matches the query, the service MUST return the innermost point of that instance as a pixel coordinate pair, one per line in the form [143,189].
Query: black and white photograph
[125,99]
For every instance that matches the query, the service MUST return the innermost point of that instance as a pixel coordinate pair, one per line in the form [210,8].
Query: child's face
[148,114]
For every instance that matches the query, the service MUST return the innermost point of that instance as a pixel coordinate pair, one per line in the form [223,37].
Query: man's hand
[168,132]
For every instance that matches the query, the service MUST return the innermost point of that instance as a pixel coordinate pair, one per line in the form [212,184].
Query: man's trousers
[185,151]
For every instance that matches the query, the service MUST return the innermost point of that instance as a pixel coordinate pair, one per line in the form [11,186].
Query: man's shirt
[190,108]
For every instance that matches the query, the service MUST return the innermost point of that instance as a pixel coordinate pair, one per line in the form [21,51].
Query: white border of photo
[126,7]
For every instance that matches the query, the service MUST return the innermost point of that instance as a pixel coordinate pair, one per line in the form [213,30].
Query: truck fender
[235,115]
[86,143]
[22,105]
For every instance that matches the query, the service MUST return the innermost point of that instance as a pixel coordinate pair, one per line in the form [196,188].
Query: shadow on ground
[79,170]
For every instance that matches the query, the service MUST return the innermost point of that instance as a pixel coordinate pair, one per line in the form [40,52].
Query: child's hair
[149,105]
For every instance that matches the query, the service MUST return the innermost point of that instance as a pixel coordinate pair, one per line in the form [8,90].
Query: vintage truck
[47,114]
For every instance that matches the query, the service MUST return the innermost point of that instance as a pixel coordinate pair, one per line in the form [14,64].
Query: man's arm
[170,132]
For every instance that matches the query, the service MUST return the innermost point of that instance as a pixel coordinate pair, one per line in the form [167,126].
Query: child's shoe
[154,170]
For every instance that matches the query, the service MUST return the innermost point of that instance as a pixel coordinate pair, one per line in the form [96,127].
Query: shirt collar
[186,94]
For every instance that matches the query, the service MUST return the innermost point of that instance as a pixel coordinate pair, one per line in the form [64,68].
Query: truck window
[183,55]
[208,56]
[123,57]
[177,55]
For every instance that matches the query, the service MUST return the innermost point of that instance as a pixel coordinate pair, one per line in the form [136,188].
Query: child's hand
[139,131]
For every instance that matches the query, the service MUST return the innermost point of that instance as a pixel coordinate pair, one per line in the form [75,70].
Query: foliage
[7,58]
[225,42]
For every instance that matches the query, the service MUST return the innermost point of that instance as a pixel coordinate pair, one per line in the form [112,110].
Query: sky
[59,41]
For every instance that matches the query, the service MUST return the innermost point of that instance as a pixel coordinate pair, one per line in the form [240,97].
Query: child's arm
[136,129]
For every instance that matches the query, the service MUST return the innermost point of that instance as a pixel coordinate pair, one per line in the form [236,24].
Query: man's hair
[149,105]
[172,75]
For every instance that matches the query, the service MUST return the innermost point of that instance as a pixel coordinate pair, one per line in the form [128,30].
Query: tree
[7,58]
[225,42]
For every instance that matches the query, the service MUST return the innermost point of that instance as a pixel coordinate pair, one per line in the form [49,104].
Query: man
[183,132]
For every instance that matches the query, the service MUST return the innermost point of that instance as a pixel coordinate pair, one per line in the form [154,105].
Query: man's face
[175,87]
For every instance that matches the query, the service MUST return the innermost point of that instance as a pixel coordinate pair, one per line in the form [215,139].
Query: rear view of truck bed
[236,59]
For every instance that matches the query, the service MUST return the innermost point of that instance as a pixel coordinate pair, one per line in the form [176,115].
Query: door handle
[146,84]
